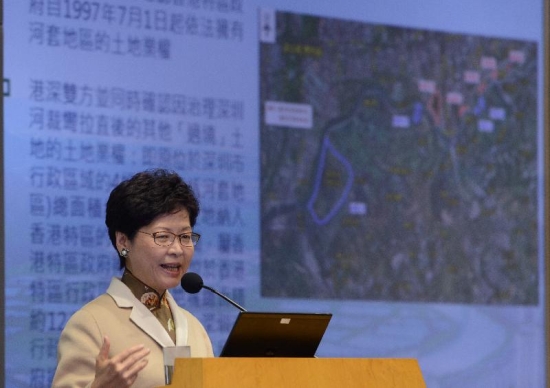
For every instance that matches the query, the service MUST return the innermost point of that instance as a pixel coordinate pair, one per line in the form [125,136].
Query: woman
[116,340]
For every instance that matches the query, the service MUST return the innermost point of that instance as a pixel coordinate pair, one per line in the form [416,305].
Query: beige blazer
[119,315]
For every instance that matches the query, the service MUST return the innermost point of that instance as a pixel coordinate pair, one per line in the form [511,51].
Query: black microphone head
[191,282]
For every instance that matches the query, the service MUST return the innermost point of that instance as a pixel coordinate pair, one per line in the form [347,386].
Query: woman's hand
[122,370]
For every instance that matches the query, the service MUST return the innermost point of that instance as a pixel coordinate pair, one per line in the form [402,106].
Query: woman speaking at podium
[117,339]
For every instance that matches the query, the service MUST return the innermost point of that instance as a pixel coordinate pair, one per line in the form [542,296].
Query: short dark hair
[136,202]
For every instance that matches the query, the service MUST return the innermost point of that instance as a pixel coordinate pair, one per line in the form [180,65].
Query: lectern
[296,372]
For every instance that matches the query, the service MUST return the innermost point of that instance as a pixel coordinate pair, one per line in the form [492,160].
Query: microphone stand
[224,297]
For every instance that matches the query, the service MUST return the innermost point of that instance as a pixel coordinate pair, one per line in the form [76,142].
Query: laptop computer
[268,334]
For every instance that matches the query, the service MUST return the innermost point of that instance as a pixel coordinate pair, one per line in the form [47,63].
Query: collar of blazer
[145,320]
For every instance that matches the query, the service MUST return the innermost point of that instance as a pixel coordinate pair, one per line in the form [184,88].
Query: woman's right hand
[122,370]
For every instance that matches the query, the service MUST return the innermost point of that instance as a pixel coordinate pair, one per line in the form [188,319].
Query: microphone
[192,283]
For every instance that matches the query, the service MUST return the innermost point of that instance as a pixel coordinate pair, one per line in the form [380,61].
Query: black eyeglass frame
[195,237]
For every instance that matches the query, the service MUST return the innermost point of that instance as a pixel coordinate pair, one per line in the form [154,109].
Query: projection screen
[378,160]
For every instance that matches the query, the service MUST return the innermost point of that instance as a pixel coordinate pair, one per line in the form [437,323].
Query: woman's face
[158,266]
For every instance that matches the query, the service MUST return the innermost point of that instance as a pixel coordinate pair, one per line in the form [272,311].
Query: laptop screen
[260,334]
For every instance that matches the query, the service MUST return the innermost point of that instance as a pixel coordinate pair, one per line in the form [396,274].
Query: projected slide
[397,164]
[99,91]
[381,166]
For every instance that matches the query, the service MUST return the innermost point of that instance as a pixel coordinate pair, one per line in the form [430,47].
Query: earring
[124,252]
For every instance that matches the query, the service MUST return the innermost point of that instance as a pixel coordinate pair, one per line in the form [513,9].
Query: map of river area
[397,164]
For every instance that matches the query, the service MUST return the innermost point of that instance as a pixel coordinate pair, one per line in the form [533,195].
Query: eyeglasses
[165,239]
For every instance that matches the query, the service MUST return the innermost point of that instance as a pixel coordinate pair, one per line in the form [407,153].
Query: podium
[231,372]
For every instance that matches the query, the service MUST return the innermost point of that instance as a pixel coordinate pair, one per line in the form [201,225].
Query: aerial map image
[397,164]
